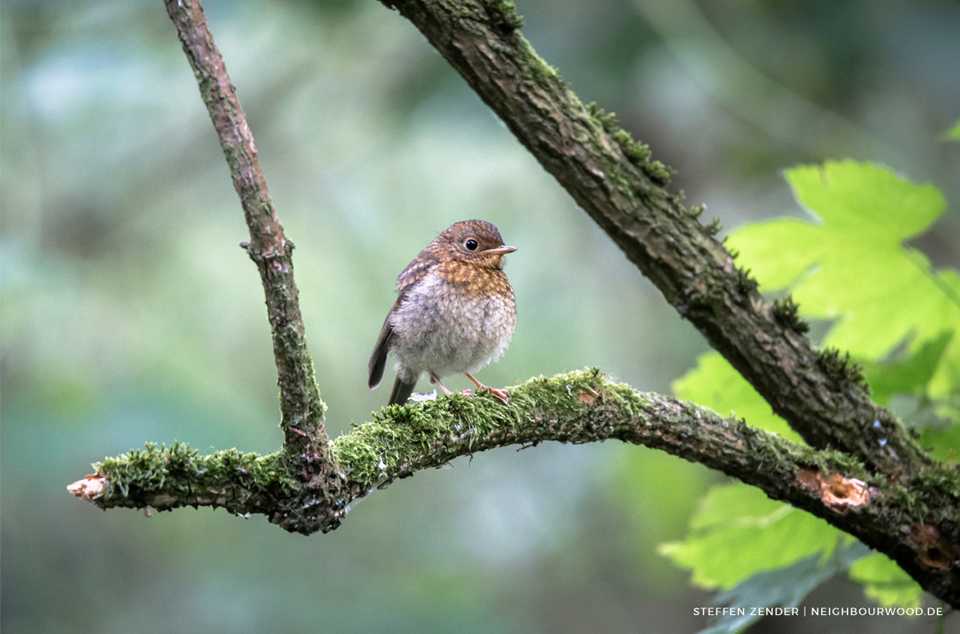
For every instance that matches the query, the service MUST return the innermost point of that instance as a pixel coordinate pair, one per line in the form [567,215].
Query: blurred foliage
[885,582]
[953,134]
[129,314]
[781,588]
[737,532]
[716,384]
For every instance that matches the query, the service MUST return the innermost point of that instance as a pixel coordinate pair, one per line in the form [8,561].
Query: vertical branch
[306,451]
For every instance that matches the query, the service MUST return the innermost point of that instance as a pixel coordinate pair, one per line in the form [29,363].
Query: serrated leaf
[885,582]
[946,380]
[738,532]
[714,383]
[785,588]
[850,263]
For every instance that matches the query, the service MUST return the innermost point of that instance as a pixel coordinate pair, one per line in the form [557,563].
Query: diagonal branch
[912,527]
[306,453]
[613,179]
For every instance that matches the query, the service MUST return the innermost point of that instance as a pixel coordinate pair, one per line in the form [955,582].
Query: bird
[455,312]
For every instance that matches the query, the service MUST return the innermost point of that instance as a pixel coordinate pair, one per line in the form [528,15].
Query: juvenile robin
[455,311]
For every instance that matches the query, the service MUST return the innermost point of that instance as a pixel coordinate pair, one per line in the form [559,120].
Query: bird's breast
[445,327]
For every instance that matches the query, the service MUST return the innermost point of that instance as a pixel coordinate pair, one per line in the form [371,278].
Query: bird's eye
[471,245]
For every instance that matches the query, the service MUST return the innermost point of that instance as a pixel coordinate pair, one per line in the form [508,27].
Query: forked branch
[306,454]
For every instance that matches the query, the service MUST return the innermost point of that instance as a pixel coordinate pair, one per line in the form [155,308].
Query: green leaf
[714,383]
[738,532]
[885,582]
[785,588]
[946,380]
[850,264]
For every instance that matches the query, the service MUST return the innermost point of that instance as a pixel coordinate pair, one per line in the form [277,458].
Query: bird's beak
[503,250]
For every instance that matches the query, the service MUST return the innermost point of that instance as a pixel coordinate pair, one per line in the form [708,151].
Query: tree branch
[579,407]
[306,453]
[614,180]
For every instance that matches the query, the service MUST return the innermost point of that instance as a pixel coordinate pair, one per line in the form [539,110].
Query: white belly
[439,330]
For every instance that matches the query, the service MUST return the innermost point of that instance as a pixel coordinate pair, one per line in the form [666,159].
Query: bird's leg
[501,395]
[436,379]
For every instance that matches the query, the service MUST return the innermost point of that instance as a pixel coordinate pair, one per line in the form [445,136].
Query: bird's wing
[405,281]
[414,273]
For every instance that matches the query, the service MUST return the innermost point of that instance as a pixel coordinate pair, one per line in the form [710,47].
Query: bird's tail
[401,391]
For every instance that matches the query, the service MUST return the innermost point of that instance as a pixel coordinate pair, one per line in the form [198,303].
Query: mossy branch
[912,526]
[615,180]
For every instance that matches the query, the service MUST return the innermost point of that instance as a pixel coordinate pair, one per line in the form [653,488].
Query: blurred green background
[129,314]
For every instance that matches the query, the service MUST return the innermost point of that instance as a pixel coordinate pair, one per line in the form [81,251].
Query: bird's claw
[501,395]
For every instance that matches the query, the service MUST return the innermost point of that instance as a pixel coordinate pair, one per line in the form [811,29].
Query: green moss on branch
[577,407]
[165,478]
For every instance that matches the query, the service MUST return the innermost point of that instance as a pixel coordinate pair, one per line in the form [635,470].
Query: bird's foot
[501,395]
